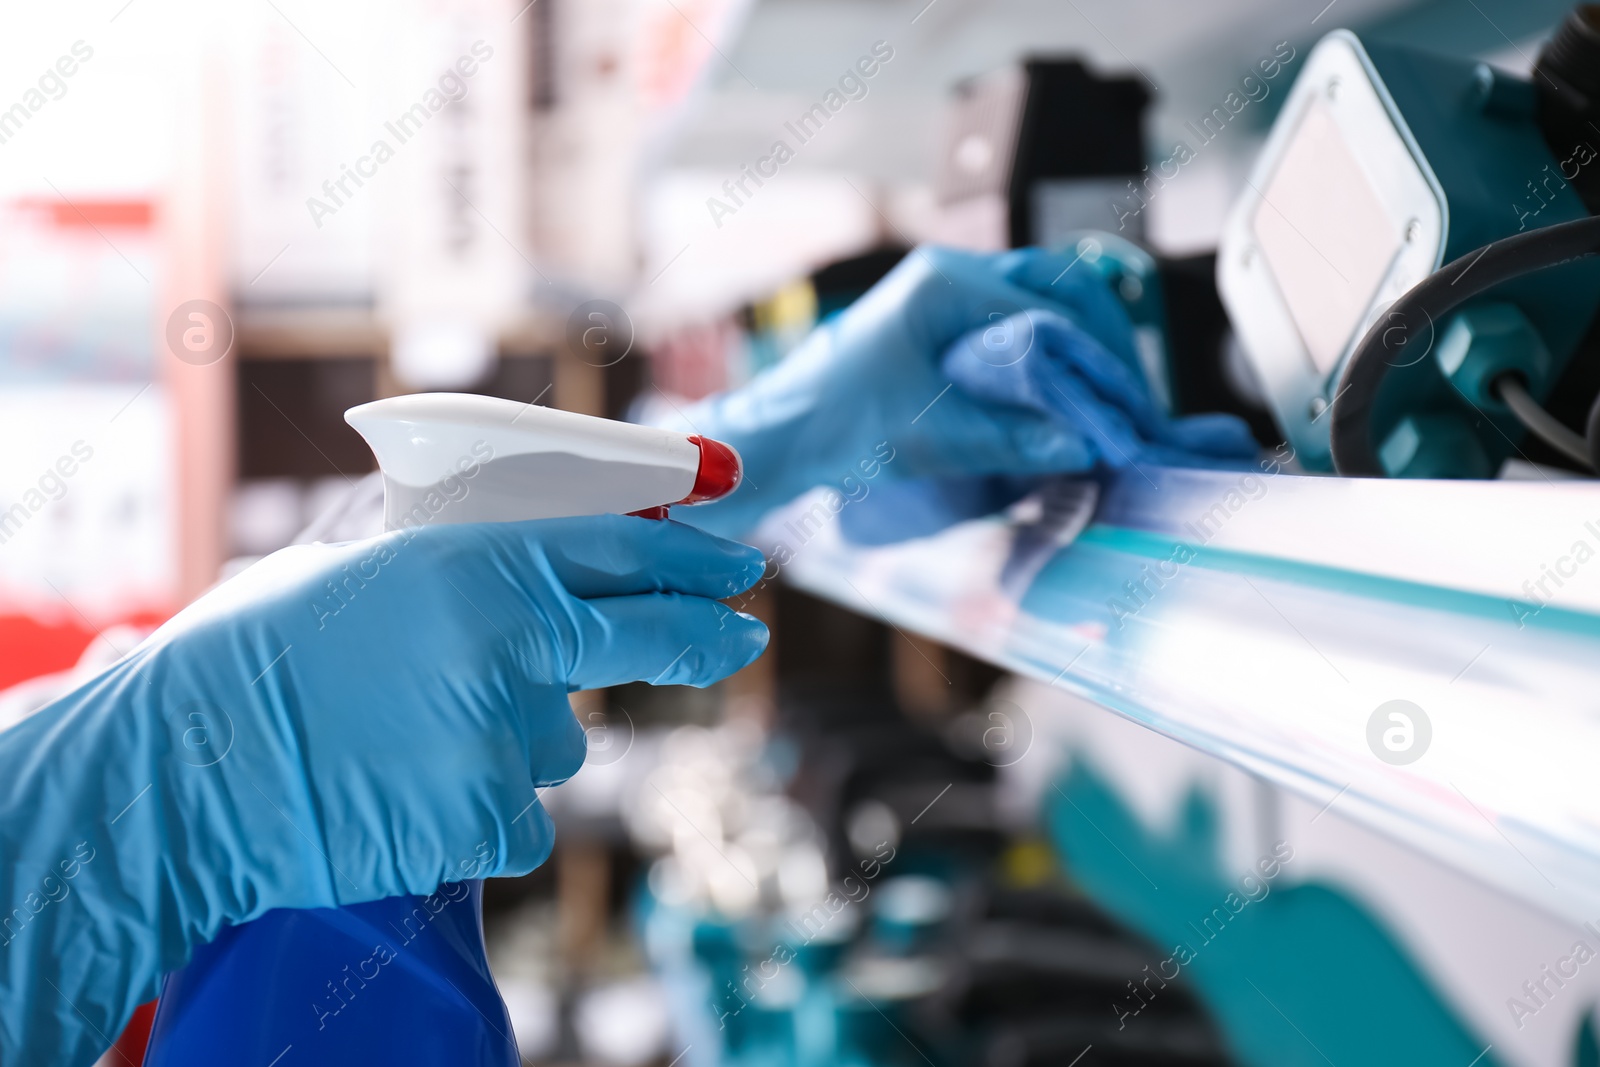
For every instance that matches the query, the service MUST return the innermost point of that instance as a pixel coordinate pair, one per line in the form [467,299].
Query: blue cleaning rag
[1050,365]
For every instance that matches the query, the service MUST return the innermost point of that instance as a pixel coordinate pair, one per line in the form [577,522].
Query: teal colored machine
[1384,164]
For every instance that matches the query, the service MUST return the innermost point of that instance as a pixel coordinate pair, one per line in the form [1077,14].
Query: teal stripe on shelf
[1461,602]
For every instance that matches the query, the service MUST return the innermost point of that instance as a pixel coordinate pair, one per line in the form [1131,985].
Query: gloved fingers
[663,639]
[1032,393]
[527,838]
[1115,435]
[1220,435]
[1048,271]
[1005,342]
[619,555]
[1020,442]
[558,744]
[1200,441]
[1160,455]
[1066,275]
[1042,445]
[1003,427]
[951,292]
[1068,279]
[1217,435]
[1111,379]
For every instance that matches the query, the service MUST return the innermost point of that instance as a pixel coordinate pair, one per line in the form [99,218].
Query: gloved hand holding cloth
[965,365]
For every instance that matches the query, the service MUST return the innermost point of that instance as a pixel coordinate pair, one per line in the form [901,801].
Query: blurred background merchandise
[866,848]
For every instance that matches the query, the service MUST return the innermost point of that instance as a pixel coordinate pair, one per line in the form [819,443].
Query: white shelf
[1306,605]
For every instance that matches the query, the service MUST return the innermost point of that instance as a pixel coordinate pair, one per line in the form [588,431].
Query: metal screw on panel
[1316,408]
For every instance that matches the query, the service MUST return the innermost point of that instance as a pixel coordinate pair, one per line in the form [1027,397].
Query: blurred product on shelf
[893,920]
[87,489]
[1038,150]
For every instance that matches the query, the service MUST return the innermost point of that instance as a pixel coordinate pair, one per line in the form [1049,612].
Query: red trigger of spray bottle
[720,472]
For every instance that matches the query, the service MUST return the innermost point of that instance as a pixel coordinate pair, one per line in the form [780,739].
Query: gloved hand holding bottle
[339,723]
[345,723]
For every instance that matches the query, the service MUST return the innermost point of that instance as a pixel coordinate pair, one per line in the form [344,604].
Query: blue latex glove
[871,385]
[339,723]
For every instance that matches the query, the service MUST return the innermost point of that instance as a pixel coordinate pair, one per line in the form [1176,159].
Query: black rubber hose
[1416,316]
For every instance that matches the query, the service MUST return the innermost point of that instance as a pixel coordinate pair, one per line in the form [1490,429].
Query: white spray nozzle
[457,457]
